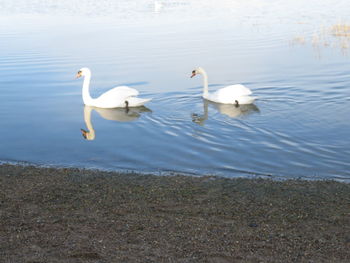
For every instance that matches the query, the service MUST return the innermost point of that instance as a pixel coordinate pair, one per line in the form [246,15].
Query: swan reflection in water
[232,111]
[116,114]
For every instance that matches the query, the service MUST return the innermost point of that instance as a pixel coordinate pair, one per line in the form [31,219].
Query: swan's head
[197,71]
[83,72]
[87,135]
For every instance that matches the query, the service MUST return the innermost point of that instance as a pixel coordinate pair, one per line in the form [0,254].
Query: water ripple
[298,126]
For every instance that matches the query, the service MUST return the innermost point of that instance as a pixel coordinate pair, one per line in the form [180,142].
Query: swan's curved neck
[86,93]
[205,84]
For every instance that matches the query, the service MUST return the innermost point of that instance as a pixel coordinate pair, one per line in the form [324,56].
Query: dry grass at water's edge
[341,30]
[336,36]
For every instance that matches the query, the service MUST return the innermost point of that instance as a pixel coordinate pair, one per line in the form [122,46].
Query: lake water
[289,53]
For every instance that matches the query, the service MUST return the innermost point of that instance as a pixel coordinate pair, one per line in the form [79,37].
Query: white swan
[118,97]
[233,94]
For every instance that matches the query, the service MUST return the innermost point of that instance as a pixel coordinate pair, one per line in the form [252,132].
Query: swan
[117,114]
[118,97]
[233,94]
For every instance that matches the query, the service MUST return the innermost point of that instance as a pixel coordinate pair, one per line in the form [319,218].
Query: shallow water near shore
[287,54]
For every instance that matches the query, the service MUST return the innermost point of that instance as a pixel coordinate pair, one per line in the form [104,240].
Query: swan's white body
[119,97]
[233,94]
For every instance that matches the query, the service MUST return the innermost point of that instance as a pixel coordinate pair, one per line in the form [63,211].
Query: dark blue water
[291,59]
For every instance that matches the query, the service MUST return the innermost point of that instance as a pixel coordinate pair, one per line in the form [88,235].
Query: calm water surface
[284,51]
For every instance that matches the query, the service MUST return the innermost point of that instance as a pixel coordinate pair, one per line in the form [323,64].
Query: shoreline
[77,215]
[239,174]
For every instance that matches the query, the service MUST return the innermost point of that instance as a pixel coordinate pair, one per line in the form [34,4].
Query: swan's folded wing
[119,93]
[235,90]
[115,97]
[230,94]
[125,91]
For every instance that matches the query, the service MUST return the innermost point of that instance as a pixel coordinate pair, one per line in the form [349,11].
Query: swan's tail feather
[246,99]
[137,102]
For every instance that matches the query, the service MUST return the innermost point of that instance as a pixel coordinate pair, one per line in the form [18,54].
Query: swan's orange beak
[193,74]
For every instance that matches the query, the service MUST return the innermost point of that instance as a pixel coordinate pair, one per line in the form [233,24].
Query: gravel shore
[73,215]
